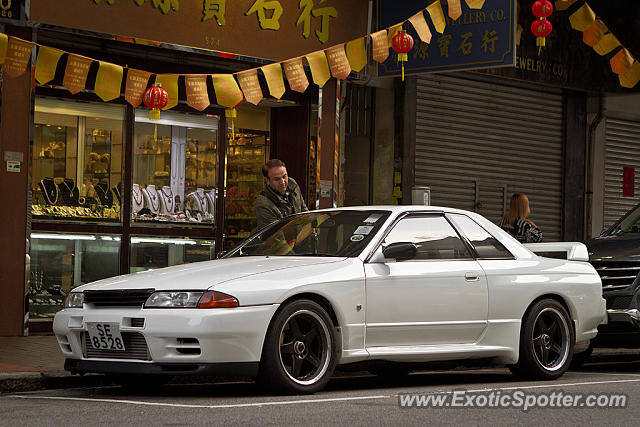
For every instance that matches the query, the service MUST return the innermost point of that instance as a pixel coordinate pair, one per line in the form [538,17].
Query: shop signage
[478,38]
[11,9]
[271,29]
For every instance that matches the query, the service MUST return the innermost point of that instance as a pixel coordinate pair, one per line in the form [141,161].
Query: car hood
[207,274]
[616,248]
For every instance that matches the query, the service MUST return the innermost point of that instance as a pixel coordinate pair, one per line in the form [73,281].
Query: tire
[546,342]
[299,353]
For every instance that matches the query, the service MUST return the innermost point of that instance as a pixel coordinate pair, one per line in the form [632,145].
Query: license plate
[105,336]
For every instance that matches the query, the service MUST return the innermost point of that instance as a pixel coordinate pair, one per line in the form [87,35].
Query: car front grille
[617,274]
[118,298]
[135,347]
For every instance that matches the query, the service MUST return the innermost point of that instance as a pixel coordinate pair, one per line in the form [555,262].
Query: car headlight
[188,299]
[74,300]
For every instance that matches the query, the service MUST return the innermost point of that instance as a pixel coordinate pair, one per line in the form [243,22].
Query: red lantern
[402,43]
[155,98]
[542,8]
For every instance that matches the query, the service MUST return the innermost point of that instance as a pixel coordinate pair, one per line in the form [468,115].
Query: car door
[440,297]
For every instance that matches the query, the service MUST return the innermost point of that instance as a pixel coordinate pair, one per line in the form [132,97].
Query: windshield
[630,223]
[342,233]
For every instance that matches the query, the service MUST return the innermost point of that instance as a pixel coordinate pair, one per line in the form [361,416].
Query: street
[355,399]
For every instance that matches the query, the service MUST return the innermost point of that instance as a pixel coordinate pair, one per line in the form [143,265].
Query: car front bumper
[171,341]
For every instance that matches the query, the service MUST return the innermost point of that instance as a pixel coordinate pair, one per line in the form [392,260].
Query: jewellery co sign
[269,29]
[11,9]
[478,38]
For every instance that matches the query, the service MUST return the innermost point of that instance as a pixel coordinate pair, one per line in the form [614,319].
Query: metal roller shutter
[622,149]
[478,141]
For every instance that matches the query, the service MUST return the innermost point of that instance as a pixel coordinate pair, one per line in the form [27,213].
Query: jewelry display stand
[167,201]
[69,192]
[50,191]
[116,192]
[104,194]
[151,198]
[200,200]
[211,200]
[137,199]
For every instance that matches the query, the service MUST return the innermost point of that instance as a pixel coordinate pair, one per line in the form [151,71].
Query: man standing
[280,196]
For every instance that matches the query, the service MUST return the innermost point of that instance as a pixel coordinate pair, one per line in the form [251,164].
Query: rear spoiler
[574,251]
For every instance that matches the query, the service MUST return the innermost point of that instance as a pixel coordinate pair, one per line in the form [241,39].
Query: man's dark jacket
[271,206]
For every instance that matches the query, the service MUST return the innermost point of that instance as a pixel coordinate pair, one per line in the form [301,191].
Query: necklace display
[46,191]
[154,201]
[137,197]
[202,199]
[168,202]
[211,199]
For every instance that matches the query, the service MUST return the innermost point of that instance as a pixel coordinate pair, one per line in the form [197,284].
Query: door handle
[471,277]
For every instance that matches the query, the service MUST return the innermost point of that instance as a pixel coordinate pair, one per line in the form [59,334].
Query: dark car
[616,256]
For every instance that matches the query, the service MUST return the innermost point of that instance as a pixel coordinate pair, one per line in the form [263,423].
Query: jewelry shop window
[77,160]
[174,168]
[61,262]
[148,253]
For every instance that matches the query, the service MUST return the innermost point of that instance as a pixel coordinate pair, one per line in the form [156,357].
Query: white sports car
[389,286]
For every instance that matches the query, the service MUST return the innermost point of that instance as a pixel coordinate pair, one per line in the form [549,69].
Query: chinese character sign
[478,38]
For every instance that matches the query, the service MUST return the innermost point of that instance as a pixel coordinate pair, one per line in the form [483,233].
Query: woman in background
[515,222]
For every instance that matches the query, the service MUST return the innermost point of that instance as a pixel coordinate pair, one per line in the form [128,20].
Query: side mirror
[400,251]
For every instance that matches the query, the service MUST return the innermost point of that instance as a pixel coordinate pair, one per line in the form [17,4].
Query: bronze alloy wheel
[305,347]
[551,339]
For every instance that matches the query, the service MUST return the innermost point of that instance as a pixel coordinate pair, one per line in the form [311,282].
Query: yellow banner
[582,18]
[357,54]
[108,81]
[564,4]
[18,56]
[75,74]
[319,67]
[421,27]
[169,83]
[437,16]
[475,4]
[47,63]
[250,86]
[621,62]
[294,70]
[275,82]
[338,62]
[631,77]
[592,35]
[455,9]
[392,33]
[4,42]
[228,94]
[197,94]
[606,44]
[380,46]
[137,81]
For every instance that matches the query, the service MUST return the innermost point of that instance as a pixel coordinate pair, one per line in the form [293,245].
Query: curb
[34,381]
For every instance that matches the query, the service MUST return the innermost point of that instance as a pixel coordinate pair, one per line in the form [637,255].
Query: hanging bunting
[294,70]
[46,64]
[392,33]
[319,67]
[18,56]
[228,93]
[338,62]
[4,43]
[437,16]
[621,62]
[275,82]
[606,44]
[421,27]
[631,77]
[564,4]
[250,86]
[169,83]
[197,94]
[136,85]
[592,35]
[108,81]
[582,18]
[231,114]
[475,4]
[455,9]
[380,46]
[357,54]
[75,74]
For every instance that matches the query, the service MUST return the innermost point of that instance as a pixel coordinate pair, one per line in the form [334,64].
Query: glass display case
[63,261]
[77,160]
[175,168]
[246,154]
[148,253]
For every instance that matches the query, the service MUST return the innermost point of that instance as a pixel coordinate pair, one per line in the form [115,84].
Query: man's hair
[273,163]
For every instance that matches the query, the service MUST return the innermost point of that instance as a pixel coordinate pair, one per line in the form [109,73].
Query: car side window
[484,243]
[434,237]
